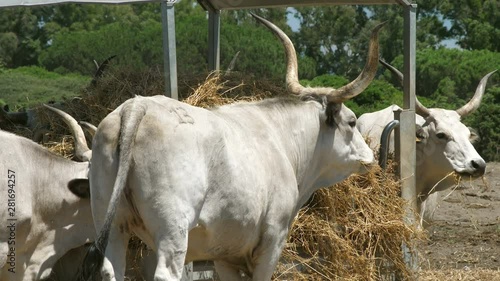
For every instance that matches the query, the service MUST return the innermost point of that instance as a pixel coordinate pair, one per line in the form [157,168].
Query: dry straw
[351,231]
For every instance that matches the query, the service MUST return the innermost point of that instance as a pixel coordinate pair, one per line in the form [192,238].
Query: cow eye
[441,136]
[352,123]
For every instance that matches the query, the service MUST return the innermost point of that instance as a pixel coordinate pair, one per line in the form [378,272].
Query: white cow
[222,184]
[444,145]
[42,218]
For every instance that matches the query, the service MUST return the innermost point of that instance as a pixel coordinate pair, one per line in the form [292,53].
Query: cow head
[444,143]
[338,132]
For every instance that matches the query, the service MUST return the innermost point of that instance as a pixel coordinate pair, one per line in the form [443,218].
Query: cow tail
[131,117]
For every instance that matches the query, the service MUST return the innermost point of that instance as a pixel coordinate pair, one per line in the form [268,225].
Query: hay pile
[351,231]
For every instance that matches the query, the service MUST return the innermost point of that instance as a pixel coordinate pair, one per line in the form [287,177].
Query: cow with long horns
[221,184]
[44,218]
[444,145]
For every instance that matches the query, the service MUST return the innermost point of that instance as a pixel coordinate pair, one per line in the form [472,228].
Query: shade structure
[405,136]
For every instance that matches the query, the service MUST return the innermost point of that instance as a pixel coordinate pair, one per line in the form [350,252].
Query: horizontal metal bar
[13,3]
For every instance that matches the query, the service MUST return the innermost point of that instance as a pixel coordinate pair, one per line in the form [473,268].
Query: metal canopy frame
[406,133]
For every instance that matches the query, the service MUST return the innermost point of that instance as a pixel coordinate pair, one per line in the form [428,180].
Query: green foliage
[325,80]
[192,44]
[486,121]
[75,51]
[475,23]
[378,95]
[256,44]
[450,75]
[28,86]
[328,43]
[19,44]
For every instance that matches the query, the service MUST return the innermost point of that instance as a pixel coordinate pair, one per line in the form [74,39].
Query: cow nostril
[478,165]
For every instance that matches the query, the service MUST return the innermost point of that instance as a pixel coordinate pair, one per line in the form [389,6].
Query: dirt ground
[464,242]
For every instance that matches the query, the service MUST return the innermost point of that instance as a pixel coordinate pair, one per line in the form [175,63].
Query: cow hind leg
[227,272]
[113,268]
[171,253]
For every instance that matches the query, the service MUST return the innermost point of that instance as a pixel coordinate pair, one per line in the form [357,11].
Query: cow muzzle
[476,168]
[367,166]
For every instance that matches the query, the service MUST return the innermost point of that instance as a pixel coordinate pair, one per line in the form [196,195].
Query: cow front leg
[113,268]
[267,255]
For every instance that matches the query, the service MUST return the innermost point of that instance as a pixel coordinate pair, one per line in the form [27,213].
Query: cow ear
[80,187]
[421,134]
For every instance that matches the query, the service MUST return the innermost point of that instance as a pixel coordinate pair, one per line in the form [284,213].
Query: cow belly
[221,242]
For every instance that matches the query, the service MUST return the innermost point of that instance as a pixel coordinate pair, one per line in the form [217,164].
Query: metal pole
[213,39]
[407,154]
[169,50]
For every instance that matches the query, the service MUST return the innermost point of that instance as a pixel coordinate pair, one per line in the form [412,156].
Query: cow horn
[292,76]
[346,92]
[474,103]
[91,129]
[366,76]
[82,151]
[100,69]
[420,109]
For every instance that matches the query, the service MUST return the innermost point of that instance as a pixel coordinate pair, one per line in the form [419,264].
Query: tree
[325,35]
[18,37]
[486,121]
[475,23]
[450,76]
[378,95]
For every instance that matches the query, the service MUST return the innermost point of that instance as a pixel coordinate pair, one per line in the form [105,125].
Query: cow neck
[295,127]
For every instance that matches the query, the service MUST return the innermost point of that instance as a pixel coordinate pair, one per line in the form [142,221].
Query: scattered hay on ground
[467,274]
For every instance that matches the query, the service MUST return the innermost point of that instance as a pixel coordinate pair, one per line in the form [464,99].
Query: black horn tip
[50,107]
[384,63]
[379,26]
[259,18]
[254,15]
